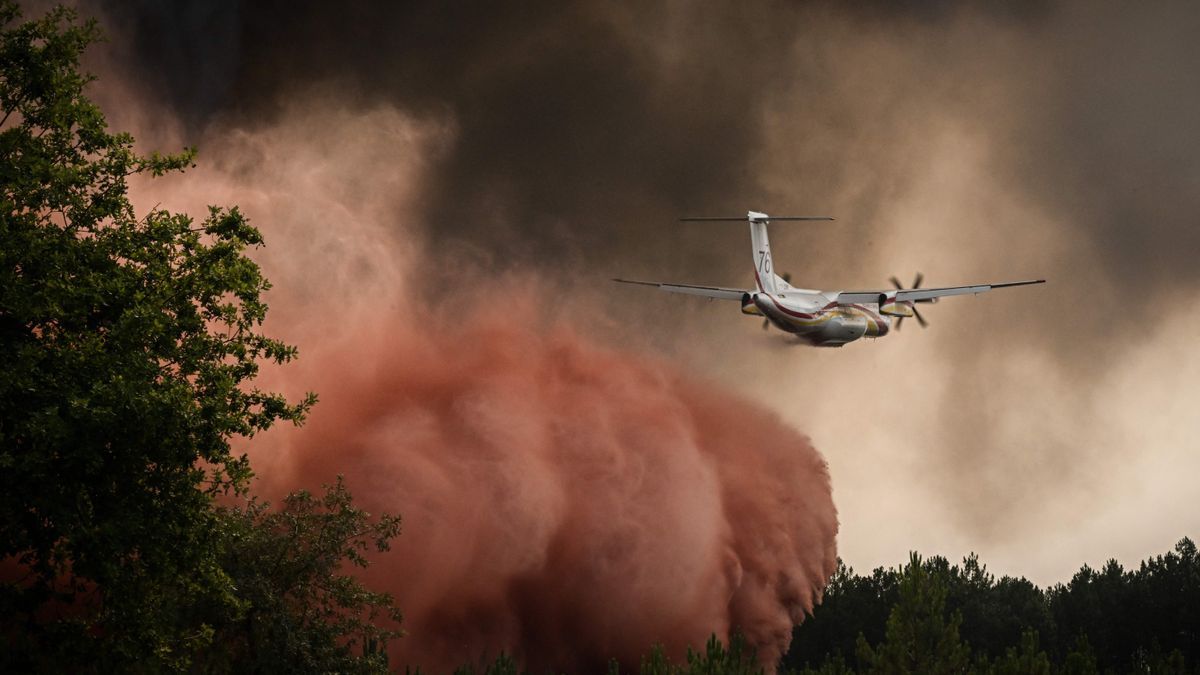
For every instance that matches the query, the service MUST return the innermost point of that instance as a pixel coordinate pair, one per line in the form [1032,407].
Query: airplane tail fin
[764,267]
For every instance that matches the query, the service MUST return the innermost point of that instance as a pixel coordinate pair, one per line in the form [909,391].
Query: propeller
[787,277]
[916,313]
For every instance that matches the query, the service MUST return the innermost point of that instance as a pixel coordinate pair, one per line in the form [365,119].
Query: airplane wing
[706,291]
[918,294]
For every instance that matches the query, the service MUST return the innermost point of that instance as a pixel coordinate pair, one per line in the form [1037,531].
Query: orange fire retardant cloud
[567,498]
[563,501]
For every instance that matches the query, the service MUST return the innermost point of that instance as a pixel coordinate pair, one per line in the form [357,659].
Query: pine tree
[920,638]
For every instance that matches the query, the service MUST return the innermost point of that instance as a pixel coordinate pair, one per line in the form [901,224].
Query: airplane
[820,318]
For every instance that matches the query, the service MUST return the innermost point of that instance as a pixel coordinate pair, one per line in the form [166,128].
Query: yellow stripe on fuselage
[874,325]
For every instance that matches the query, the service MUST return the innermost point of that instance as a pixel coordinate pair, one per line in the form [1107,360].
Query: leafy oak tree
[127,347]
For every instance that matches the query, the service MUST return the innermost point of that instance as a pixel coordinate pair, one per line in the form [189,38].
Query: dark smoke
[578,124]
[560,107]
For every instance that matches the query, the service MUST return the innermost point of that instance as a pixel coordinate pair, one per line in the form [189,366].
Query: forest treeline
[130,541]
[930,617]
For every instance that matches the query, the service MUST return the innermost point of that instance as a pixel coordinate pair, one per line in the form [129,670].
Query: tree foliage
[921,637]
[128,344]
[300,613]
[1107,620]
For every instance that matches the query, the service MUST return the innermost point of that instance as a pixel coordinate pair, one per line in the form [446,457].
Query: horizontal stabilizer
[742,219]
[752,217]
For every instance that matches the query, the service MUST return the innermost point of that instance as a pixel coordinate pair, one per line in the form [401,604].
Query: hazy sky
[1041,427]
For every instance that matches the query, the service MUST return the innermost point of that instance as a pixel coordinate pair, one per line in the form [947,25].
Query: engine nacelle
[748,306]
[889,306]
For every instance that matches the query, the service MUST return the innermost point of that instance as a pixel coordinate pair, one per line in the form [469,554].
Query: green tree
[301,614]
[127,345]
[1168,595]
[920,637]
[1081,659]
[1099,605]
[738,659]
[851,605]
[996,613]
[1028,659]
[716,659]
[503,665]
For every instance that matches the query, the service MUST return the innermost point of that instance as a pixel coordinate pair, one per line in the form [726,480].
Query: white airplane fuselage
[814,317]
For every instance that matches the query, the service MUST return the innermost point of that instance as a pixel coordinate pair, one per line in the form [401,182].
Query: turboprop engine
[748,306]
[890,307]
